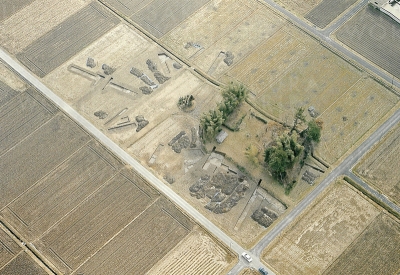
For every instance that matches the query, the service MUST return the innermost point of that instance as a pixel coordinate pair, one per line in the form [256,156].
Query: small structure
[391,8]
[221,136]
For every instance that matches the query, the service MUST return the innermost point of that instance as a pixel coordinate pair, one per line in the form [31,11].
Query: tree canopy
[282,155]
[313,132]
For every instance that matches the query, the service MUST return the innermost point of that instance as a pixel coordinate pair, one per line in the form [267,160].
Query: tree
[282,155]
[210,124]
[313,132]
[299,118]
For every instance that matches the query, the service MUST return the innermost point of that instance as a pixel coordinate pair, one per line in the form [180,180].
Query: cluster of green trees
[211,122]
[291,149]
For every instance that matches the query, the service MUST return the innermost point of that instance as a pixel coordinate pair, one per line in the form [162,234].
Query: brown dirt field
[380,166]
[298,7]
[9,78]
[323,14]
[248,271]
[80,207]
[157,16]
[22,264]
[345,124]
[31,22]
[41,151]
[22,110]
[215,29]
[9,7]
[8,248]
[374,35]
[141,244]
[375,251]
[60,191]
[197,254]
[315,240]
[67,39]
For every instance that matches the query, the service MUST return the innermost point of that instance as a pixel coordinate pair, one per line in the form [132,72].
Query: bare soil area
[317,238]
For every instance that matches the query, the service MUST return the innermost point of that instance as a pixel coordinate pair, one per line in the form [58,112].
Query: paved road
[372,191]
[323,36]
[128,159]
[343,168]
[343,19]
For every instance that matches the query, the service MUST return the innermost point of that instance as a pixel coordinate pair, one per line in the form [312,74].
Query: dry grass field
[380,166]
[156,16]
[248,271]
[315,240]
[327,11]
[375,251]
[34,20]
[289,71]
[68,38]
[299,7]
[352,115]
[207,35]
[375,36]
[197,254]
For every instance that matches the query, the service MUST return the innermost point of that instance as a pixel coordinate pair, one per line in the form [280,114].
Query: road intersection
[343,168]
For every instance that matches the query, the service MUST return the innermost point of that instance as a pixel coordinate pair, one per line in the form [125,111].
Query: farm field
[11,80]
[373,35]
[299,8]
[9,7]
[288,71]
[379,166]
[378,246]
[156,16]
[206,37]
[327,11]
[327,228]
[25,25]
[248,271]
[197,253]
[9,249]
[344,124]
[68,38]
[22,264]
[80,206]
